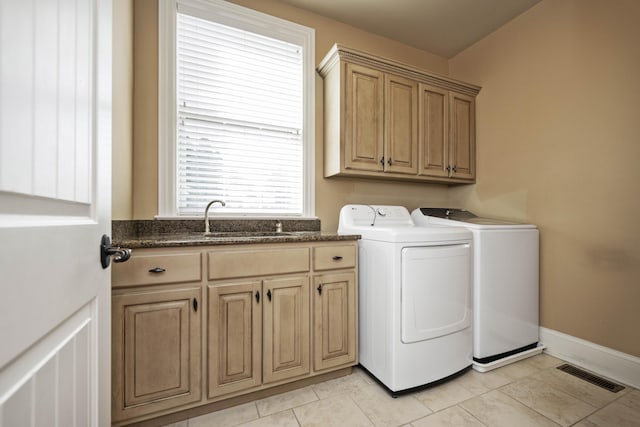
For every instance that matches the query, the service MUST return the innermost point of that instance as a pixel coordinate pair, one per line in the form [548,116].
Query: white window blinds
[239,120]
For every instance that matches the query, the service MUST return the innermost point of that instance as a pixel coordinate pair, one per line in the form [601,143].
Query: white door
[55,160]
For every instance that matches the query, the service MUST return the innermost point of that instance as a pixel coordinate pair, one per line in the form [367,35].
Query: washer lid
[462,218]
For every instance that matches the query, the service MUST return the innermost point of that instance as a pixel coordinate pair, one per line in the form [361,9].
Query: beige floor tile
[180,424]
[544,361]
[547,400]
[350,384]
[454,416]
[384,410]
[615,415]
[280,419]
[631,399]
[443,395]
[481,382]
[364,375]
[338,411]
[496,409]
[227,417]
[583,390]
[517,370]
[283,401]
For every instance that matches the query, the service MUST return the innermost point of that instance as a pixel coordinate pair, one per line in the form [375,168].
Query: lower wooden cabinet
[285,328]
[156,351]
[258,333]
[335,322]
[271,314]
[235,337]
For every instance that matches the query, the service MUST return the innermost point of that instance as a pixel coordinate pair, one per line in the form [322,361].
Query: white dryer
[415,300]
[505,268]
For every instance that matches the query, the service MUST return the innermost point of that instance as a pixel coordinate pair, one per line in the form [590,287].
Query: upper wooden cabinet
[388,120]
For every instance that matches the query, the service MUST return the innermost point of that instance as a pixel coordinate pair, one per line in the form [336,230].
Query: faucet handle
[278,226]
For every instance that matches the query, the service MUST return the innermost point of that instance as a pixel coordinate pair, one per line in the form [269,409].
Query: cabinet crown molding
[342,53]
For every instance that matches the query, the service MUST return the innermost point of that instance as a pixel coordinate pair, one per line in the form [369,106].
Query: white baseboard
[613,364]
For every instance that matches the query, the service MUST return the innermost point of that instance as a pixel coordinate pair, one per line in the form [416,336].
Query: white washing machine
[415,303]
[505,289]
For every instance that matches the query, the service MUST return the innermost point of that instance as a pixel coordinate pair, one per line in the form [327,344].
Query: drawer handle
[337,258]
[157,270]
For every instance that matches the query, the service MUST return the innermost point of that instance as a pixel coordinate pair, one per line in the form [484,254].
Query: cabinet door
[286,328]
[335,327]
[156,351]
[433,133]
[462,138]
[401,125]
[235,325]
[364,99]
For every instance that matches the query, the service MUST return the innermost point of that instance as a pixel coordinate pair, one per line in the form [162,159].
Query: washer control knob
[382,212]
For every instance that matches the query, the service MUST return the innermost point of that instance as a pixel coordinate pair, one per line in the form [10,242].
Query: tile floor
[527,393]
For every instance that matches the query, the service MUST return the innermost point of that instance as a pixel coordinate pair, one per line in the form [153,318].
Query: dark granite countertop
[180,233]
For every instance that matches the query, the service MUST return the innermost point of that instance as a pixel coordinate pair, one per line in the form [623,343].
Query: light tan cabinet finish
[433,131]
[156,351]
[265,324]
[285,328]
[335,323]
[334,257]
[235,337]
[364,101]
[258,333]
[149,269]
[401,125]
[381,132]
[463,136]
[387,120]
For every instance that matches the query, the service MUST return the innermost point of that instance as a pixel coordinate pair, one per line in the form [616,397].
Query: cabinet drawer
[228,264]
[332,257]
[169,268]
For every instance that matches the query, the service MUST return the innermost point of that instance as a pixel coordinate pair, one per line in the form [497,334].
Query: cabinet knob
[455,169]
[382,161]
[258,296]
[389,161]
[195,305]
[320,289]
[269,294]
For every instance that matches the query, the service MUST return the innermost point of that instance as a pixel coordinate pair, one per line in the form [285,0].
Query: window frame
[250,20]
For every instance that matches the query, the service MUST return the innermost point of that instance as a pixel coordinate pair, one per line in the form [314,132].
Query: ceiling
[443,27]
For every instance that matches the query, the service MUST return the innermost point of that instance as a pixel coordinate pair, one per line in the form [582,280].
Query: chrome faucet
[278,226]
[207,230]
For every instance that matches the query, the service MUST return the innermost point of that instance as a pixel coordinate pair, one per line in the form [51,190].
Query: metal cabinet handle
[389,161]
[319,289]
[157,270]
[455,169]
[337,258]
[257,296]
[195,305]
[382,161]
[269,294]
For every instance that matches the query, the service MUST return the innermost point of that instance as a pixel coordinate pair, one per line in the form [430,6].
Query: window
[235,111]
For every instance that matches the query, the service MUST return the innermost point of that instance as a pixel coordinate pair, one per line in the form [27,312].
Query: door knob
[107,251]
